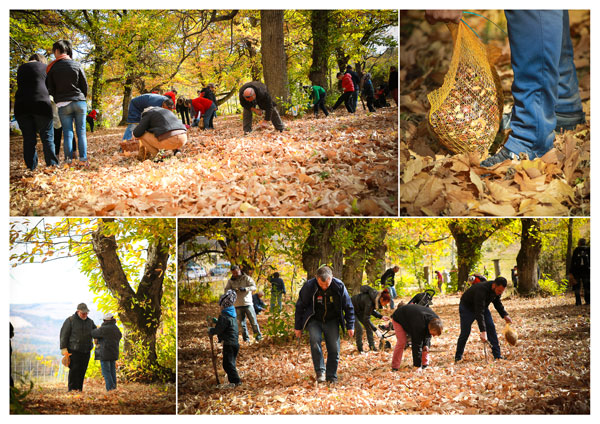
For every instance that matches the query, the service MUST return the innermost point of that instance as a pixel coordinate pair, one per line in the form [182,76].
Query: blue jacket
[305,306]
[139,103]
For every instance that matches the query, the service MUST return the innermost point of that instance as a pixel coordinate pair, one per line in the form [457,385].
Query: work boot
[503,155]
[320,377]
[564,121]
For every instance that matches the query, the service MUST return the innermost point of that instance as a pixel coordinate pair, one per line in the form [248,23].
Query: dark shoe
[394,369]
[320,378]
[332,380]
[499,357]
[457,360]
[569,121]
[258,338]
[503,155]
[373,348]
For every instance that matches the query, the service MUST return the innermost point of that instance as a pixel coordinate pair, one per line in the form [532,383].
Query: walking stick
[212,353]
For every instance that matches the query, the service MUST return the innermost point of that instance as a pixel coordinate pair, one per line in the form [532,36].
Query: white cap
[108,316]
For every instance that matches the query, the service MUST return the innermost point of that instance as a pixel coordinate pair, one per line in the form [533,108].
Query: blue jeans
[545,81]
[331,331]
[109,372]
[74,112]
[129,131]
[276,299]
[393,295]
[31,125]
[466,320]
[208,116]
[243,312]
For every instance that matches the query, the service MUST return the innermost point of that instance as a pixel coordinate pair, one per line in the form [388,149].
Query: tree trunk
[127,90]
[569,247]
[274,60]
[318,248]
[375,265]
[139,311]
[98,86]
[319,23]
[354,265]
[527,258]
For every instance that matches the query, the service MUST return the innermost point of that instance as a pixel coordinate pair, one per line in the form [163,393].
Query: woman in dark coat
[67,83]
[33,111]
[108,336]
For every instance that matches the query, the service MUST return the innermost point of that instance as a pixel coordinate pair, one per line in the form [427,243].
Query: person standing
[393,83]
[108,337]
[254,97]
[183,110]
[440,280]
[76,341]
[368,92]
[356,82]
[348,88]
[244,285]
[208,92]
[68,86]
[387,280]
[226,329]
[277,290]
[33,111]
[473,306]
[323,306]
[420,323]
[91,117]
[137,106]
[580,271]
[365,304]
[514,276]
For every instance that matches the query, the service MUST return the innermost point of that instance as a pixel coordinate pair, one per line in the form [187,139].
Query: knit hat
[228,299]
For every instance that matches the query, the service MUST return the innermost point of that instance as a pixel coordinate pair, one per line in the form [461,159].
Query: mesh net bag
[466,110]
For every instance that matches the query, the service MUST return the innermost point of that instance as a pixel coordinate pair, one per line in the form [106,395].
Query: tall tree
[319,69]
[320,248]
[527,258]
[274,60]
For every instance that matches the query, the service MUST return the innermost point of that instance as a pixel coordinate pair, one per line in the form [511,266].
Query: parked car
[195,271]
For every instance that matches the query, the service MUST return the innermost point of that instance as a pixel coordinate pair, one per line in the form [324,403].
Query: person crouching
[159,129]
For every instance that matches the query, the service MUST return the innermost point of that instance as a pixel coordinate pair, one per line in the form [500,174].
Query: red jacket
[201,104]
[171,95]
[347,83]
[93,114]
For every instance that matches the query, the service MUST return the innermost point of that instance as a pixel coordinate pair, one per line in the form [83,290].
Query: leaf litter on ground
[341,165]
[547,372]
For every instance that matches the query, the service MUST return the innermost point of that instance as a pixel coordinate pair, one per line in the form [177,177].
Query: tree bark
[527,258]
[274,60]
[140,310]
[318,248]
[375,265]
[319,23]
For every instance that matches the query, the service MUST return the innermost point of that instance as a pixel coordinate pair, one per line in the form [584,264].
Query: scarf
[59,57]
[229,311]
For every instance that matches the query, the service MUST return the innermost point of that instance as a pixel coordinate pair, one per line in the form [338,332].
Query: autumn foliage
[547,372]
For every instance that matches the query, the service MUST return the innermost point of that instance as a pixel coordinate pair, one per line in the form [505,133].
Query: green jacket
[317,93]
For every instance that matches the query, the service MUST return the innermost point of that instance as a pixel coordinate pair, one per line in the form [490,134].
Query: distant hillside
[37,326]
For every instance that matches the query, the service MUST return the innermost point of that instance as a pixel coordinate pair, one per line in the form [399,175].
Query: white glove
[379,335]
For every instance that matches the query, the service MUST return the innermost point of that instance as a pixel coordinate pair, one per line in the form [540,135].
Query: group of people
[324,306]
[78,335]
[51,101]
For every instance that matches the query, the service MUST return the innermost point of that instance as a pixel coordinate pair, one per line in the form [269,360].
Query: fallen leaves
[342,165]
[547,372]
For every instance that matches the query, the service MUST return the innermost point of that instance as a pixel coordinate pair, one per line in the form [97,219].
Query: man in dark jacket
[208,92]
[227,331]
[138,104]
[323,305]
[277,290]
[356,82]
[393,83]
[159,129]
[254,97]
[387,280]
[364,304]
[420,323]
[107,349]
[473,306]
[580,271]
[76,341]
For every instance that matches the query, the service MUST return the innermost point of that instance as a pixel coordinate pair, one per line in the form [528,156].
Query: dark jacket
[263,98]
[277,285]
[66,81]
[108,335]
[207,93]
[139,103]
[393,82]
[158,121]
[258,303]
[387,279]
[76,334]
[478,297]
[368,90]
[355,79]
[364,304]
[305,305]
[226,328]
[32,94]
[580,262]
[415,319]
